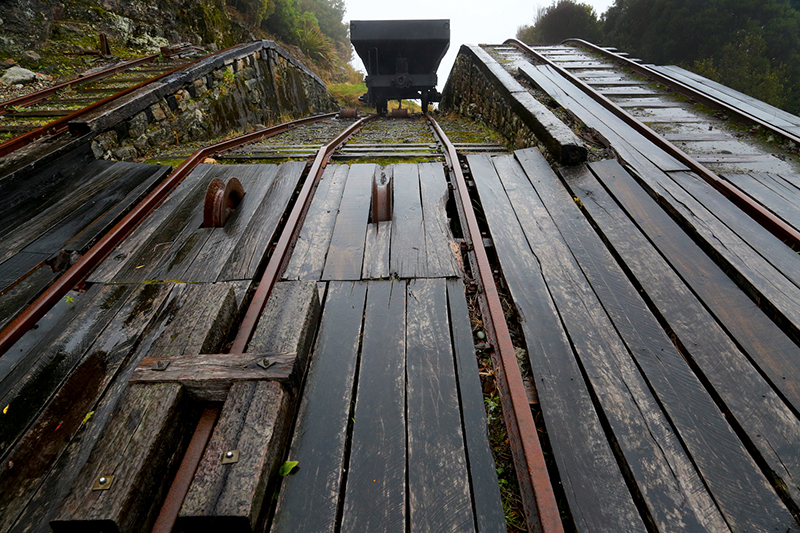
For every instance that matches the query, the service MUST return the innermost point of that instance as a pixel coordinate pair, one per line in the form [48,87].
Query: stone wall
[253,83]
[481,89]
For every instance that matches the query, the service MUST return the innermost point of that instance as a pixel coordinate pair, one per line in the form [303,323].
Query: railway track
[727,155]
[401,146]
[47,112]
[640,330]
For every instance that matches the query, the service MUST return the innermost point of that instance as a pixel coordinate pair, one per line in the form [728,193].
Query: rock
[30,57]
[213,48]
[7,63]
[125,153]
[15,75]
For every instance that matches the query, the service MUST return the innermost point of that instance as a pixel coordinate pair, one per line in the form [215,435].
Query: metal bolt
[102,481]
[229,455]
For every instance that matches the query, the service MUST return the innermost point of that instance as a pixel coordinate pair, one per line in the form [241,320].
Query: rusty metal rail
[180,485]
[61,125]
[686,90]
[109,241]
[38,96]
[539,499]
[756,211]
[288,236]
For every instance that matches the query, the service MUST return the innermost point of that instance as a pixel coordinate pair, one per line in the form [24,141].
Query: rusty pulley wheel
[381,197]
[221,199]
[399,113]
[348,113]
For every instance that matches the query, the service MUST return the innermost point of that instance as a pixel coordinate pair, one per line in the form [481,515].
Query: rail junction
[287,341]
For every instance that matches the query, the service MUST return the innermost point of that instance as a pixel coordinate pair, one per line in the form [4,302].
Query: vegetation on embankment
[347,95]
[752,46]
[63,31]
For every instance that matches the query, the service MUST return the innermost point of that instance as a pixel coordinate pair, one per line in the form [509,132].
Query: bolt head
[102,480]
[229,454]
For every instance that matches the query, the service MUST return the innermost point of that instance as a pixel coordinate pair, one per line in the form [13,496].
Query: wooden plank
[489,514]
[764,195]
[754,331]
[309,499]
[132,335]
[26,197]
[438,489]
[376,251]
[249,253]
[57,199]
[440,248]
[141,447]
[408,230]
[157,237]
[64,416]
[211,247]
[766,245]
[30,378]
[593,485]
[751,105]
[737,485]
[346,252]
[624,139]
[733,159]
[755,410]
[145,236]
[764,283]
[18,266]
[102,225]
[375,495]
[652,453]
[788,189]
[255,423]
[16,298]
[122,179]
[308,256]
[209,378]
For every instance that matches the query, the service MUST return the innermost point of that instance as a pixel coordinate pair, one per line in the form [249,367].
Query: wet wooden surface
[338,232]
[709,402]
[405,453]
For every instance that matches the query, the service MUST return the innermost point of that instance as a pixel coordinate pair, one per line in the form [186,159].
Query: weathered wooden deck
[391,429]
[669,396]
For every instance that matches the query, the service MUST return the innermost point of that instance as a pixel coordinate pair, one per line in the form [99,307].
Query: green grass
[347,95]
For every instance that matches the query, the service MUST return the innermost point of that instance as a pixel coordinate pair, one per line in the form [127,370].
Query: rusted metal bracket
[538,498]
[382,197]
[222,198]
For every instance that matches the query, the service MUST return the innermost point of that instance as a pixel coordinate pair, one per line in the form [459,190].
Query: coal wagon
[401,58]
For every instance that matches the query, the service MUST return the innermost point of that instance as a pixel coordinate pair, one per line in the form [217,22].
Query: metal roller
[381,198]
[221,199]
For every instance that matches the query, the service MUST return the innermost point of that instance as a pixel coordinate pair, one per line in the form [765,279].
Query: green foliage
[255,11]
[753,46]
[743,65]
[287,467]
[561,20]
[284,22]
[329,15]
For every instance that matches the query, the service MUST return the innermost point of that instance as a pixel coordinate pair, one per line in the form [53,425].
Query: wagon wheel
[382,106]
[425,102]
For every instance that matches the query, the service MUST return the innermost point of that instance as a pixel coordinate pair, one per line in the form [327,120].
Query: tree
[561,20]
